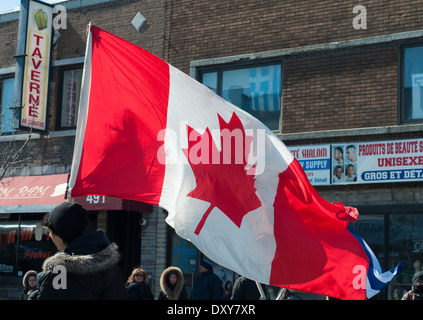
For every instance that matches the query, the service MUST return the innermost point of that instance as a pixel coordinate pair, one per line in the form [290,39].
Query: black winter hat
[68,220]
[206,264]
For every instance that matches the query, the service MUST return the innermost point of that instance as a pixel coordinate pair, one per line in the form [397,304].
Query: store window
[187,257]
[372,229]
[412,84]
[394,238]
[406,246]
[6,100]
[70,93]
[21,247]
[255,89]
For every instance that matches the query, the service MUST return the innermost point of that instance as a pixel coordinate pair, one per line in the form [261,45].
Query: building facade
[35,164]
[340,83]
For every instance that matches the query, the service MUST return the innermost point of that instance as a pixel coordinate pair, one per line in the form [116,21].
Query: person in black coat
[29,282]
[172,285]
[86,266]
[208,285]
[246,289]
[137,286]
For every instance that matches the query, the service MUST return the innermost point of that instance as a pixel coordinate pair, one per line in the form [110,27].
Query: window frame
[60,98]
[2,78]
[401,89]
[221,68]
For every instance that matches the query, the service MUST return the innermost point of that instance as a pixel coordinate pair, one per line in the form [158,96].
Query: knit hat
[68,220]
[418,277]
[206,264]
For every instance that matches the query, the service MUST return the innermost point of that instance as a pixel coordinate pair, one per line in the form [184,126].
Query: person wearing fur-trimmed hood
[86,266]
[172,285]
[29,282]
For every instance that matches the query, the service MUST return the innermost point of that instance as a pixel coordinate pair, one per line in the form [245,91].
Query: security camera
[143,221]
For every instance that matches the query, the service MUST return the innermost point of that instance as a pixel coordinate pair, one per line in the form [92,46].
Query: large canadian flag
[148,132]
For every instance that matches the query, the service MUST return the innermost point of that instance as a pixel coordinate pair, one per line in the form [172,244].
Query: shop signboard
[315,161]
[384,161]
[362,162]
[37,65]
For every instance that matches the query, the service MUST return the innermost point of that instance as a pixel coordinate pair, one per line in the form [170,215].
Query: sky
[11,4]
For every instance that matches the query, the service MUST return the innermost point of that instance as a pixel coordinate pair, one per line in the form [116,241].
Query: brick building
[323,75]
[49,154]
[346,76]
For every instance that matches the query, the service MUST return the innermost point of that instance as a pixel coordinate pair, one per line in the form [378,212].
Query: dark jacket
[86,270]
[207,286]
[246,289]
[139,291]
[169,291]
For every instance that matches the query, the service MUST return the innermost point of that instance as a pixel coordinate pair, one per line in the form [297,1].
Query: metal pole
[262,294]
[20,63]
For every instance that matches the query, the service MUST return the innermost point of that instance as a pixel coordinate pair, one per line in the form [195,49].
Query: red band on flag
[120,148]
[315,252]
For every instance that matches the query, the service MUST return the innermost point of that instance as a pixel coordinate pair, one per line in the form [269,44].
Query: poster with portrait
[362,162]
[344,163]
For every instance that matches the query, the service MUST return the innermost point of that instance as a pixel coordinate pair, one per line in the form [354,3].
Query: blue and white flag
[377,278]
[265,88]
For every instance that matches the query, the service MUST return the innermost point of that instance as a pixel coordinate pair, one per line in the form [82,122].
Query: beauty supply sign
[362,162]
[37,64]
[390,161]
[315,161]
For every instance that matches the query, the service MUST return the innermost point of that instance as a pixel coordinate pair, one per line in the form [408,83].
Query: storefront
[23,203]
[24,244]
[395,234]
[383,179]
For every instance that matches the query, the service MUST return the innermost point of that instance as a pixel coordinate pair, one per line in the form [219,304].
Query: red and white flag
[148,132]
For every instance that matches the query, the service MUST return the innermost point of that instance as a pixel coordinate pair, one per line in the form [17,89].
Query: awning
[32,193]
[43,193]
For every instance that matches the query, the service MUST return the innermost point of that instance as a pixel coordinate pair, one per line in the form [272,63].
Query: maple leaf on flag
[221,176]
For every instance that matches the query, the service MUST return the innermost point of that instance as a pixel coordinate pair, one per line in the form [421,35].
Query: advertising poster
[315,161]
[362,162]
[390,161]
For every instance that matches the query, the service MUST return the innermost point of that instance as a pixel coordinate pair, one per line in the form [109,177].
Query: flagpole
[262,294]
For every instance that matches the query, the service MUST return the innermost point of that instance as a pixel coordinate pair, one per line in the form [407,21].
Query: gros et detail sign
[37,63]
[362,162]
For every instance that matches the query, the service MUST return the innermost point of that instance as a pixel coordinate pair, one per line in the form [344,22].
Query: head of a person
[205,266]
[350,170]
[351,153]
[417,282]
[173,278]
[138,275]
[339,171]
[30,279]
[338,153]
[66,222]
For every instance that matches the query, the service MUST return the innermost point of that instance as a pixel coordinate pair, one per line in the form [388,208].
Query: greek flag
[265,86]
[377,278]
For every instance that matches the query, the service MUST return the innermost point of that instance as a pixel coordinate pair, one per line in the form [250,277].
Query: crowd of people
[89,262]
